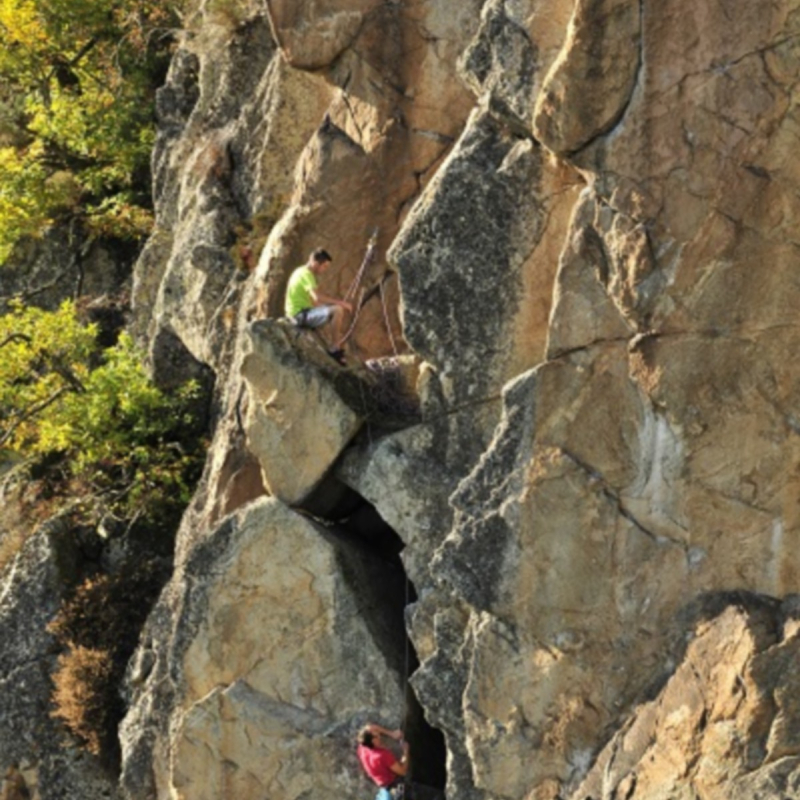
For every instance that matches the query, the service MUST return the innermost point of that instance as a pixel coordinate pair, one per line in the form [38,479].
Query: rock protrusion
[607,283]
[723,721]
[591,81]
[247,695]
[312,35]
[297,421]
[501,63]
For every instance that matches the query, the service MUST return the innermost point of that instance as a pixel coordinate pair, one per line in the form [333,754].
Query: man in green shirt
[308,307]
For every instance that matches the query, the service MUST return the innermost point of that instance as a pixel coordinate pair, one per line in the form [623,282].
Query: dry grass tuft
[81,694]
[99,627]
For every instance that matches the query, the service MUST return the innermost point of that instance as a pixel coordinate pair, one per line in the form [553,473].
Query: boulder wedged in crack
[300,414]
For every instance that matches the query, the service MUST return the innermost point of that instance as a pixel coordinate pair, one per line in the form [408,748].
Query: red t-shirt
[377,763]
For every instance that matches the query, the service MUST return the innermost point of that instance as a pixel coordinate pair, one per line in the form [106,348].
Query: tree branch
[32,412]
[15,337]
[69,376]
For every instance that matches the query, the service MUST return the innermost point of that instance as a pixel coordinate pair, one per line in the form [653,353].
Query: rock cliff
[563,458]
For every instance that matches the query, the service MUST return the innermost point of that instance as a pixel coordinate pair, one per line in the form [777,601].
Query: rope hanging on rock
[356,283]
[386,317]
[407,686]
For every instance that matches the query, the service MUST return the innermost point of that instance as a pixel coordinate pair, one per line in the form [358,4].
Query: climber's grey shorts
[314,317]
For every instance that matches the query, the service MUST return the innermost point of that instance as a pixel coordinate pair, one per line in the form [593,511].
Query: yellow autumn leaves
[77,80]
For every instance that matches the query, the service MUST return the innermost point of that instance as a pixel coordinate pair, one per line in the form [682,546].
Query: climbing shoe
[338,356]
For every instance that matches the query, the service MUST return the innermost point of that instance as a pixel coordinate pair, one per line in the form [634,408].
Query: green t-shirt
[298,293]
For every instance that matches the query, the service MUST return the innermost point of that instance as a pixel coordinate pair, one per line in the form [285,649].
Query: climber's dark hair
[320,256]
[366,737]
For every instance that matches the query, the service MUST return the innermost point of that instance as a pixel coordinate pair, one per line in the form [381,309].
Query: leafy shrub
[102,439]
[116,441]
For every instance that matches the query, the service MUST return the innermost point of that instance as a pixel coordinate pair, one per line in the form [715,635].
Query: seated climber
[307,307]
[380,763]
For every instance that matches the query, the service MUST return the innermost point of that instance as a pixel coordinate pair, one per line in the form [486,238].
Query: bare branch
[25,296]
[65,371]
[15,337]
[32,412]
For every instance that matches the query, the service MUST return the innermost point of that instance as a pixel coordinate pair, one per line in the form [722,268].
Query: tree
[113,449]
[117,441]
[76,112]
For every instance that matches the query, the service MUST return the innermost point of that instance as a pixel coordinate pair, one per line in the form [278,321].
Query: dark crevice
[369,559]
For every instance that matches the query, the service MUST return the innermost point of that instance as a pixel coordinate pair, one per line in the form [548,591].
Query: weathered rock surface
[396,112]
[588,87]
[471,267]
[297,423]
[33,583]
[396,474]
[228,100]
[723,726]
[66,262]
[590,214]
[674,472]
[312,35]
[501,63]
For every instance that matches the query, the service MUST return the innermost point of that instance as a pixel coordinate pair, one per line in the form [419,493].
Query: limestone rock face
[311,35]
[252,697]
[502,63]
[590,83]
[212,109]
[483,216]
[395,113]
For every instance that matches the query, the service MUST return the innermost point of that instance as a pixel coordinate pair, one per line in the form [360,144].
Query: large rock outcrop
[586,221]
[725,723]
[239,689]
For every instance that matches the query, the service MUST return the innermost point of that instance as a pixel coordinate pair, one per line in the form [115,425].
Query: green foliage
[45,355]
[123,445]
[77,80]
[101,439]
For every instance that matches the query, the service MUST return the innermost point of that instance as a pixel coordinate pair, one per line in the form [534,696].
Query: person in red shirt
[377,760]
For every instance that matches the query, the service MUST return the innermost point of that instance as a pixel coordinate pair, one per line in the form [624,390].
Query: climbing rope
[368,256]
[386,316]
[406,690]
[407,685]
[356,283]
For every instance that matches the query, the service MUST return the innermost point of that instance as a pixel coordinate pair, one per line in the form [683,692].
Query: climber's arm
[401,767]
[321,299]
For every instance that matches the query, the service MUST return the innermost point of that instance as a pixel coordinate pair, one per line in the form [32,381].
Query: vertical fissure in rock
[379,579]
